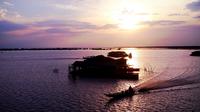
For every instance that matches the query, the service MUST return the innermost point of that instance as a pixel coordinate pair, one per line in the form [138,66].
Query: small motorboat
[127,93]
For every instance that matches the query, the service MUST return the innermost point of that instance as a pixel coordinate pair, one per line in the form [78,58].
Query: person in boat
[130,89]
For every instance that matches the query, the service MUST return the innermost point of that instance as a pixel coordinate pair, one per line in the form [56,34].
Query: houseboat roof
[117,54]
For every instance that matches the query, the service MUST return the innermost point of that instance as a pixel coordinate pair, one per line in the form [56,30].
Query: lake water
[28,83]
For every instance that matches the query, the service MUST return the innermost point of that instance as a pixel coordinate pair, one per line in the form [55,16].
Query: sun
[130,17]
[127,22]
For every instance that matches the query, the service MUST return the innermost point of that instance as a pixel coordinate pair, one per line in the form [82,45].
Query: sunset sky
[99,23]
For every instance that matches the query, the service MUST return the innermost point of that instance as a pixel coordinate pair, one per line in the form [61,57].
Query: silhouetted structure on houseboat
[105,67]
[117,54]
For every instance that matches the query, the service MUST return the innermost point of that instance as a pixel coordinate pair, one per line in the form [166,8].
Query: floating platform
[104,67]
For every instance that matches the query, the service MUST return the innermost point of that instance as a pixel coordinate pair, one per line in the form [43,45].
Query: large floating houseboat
[112,66]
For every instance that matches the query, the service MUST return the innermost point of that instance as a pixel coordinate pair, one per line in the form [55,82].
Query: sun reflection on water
[132,62]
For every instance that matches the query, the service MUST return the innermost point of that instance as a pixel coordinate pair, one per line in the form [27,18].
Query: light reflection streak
[132,62]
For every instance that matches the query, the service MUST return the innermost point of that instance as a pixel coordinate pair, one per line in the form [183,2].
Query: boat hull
[128,93]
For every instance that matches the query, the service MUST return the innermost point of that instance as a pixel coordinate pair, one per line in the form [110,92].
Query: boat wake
[172,77]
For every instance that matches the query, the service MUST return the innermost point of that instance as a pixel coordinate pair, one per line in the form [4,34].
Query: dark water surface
[28,83]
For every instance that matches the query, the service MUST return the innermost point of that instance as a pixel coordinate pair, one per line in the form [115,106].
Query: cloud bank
[59,33]
[163,23]
[194,6]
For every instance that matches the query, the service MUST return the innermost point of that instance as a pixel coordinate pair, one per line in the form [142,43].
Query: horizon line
[100,48]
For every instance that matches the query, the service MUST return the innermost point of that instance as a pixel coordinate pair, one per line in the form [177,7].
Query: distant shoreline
[104,48]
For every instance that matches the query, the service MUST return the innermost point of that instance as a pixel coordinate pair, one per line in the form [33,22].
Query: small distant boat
[127,93]
[195,53]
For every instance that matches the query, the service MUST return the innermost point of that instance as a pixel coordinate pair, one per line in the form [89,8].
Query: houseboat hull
[102,74]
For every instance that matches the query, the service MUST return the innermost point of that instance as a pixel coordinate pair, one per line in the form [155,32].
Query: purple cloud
[81,25]
[45,33]
[194,6]
[48,29]
[57,30]
[7,26]
[61,23]
[49,23]
[37,30]
[8,3]
[177,14]
[78,25]
[163,23]
[197,17]
[186,35]
[108,26]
